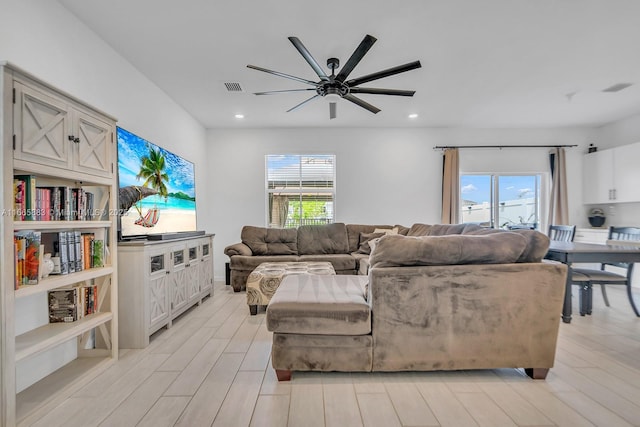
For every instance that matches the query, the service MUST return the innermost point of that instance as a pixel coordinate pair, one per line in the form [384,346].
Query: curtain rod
[444,147]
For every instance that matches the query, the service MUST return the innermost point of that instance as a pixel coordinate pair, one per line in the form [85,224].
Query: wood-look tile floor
[212,368]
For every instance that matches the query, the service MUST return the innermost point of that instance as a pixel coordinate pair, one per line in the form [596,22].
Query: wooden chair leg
[604,295]
[283,374]
[537,373]
[630,295]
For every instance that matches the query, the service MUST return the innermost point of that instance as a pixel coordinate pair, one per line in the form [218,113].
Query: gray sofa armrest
[238,249]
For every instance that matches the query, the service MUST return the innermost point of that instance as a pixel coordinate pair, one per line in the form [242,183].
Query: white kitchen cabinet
[610,176]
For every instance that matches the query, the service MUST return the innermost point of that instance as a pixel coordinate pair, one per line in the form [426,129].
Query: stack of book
[27,257]
[57,203]
[72,303]
[78,251]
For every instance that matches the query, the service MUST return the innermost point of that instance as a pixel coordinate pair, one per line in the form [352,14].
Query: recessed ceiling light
[413,116]
[239,116]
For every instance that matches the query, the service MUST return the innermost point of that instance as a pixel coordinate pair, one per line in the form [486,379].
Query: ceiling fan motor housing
[332,88]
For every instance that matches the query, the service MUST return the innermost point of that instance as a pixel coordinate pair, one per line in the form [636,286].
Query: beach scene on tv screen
[156,188]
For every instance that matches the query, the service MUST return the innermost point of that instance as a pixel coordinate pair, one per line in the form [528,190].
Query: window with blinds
[300,189]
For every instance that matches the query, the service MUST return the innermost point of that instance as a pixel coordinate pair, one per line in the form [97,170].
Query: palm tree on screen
[152,169]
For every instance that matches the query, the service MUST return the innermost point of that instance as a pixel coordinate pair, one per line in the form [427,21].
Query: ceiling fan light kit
[333,87]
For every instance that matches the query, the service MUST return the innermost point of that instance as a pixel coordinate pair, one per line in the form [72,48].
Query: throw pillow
[393,230]
[365,242]
[374,242]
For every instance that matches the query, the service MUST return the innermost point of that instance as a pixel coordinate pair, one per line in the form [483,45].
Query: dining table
[575,252]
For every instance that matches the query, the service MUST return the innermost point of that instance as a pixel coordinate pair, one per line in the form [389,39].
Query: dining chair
[562,233]
[566,233]
[602,277]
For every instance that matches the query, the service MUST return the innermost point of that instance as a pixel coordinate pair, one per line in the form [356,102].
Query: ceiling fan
[337,86]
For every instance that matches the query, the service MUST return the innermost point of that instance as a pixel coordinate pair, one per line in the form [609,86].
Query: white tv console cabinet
[160,280]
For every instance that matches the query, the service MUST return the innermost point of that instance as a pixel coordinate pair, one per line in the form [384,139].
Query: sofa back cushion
[354,231]
[270,241]
[323,239]
[494,248]
[443,229]
[537,245]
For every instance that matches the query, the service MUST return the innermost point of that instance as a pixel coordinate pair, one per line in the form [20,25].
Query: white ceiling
[485,63]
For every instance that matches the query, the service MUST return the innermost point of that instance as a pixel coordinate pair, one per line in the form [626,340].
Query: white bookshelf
[61,141]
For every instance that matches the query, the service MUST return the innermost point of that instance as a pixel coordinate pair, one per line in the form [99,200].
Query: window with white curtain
[300,189]
[508,201]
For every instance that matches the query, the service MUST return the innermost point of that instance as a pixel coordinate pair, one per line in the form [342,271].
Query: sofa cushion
[446,229]
[365,239]
[496,248]
[270,241]
[320,305]
[419,230]
[537,245]
[354,230]
[248,263]
[238,249]
[340,262]
[323,239]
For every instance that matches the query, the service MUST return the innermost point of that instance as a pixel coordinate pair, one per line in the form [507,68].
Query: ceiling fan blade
[271,92]
[307,56]
[361,103]
[333,107]
[286,76]
[375,91]
[356,57]
[302,103]
[384,73]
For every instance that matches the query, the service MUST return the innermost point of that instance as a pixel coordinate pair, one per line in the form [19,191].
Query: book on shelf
[63,306]
[62,250]
[19,202]
[87,256]
[76,250]
[71,303]
[50,203]
[98,252]
[28,196]
[77,247]
[27,255]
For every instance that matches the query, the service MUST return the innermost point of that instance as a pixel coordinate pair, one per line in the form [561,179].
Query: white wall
[46,40]
[384,176]
[43,38]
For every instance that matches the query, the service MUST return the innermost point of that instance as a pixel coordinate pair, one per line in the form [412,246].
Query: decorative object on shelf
[56,264]
[47,265]
[592,148]
[596,217]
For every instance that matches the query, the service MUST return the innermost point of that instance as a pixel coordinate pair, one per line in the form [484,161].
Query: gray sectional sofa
[344,245]
[440,298]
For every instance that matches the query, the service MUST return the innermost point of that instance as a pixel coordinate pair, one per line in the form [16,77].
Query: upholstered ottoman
[265,279]
[320,323]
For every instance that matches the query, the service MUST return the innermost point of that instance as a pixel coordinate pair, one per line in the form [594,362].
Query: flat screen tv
[157,193]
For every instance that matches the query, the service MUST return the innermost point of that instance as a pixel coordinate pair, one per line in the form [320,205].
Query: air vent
[233,87]
[617,87]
